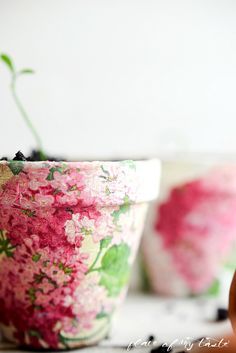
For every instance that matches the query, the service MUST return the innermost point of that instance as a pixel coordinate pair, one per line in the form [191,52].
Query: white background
[121,78]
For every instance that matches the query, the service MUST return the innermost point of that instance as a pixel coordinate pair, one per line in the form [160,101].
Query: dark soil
[34,157]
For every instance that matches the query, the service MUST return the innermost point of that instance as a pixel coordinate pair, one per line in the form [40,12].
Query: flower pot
[232,302]
[192,228]
[69,233]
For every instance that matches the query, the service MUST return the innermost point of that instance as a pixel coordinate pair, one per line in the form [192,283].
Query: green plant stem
[92,269]
[26,117]
[64,339]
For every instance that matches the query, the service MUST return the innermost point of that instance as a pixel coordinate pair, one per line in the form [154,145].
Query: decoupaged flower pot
[192,228]
[68,236]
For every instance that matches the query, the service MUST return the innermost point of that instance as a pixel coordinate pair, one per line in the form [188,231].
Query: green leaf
[29,213]
[86,231]
[215,288]
[104,170]
[26,71]
[131,164]
[52,171]
[36,257]
[101,315]
[230,263]
[61,266]
[16,166]
[105,242]
[115,268]
[34,333]
[38,277]
[122,209]
[107,191]
[45,263]
[68,270]
[7,60]
[114,284]
[32,294]
[115,259]
[230,266]
[97,332]
[5,245]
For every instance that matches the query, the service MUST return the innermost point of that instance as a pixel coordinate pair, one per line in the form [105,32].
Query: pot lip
[198,158]
[88,163]
[143,175]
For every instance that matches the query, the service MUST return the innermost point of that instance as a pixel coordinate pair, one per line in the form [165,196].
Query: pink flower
[197,225]
[38,178]
[44,200]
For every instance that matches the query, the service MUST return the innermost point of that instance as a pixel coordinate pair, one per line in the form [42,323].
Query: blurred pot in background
[189,242]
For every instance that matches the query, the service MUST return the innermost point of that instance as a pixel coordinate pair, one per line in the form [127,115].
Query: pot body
[69,233]
[189,242]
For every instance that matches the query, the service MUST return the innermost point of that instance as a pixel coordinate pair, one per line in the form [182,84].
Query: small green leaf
[16,166]
[36,257]
[52,171]
[45,263]
[34,333]
[7,60]
[38,277]
[60,265]
[131,164]
[215,288]
[104,170]
[86,231]
[32,294]
[107,191]
[105,242]
[65,269]
[26,71]
[101,315]
[231,260]
[230,266]
[38,307]
[122,209]
[5,245]
[29,213]
[73,188]
[68,270]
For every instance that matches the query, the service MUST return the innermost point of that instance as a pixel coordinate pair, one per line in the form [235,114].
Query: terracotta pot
[192,228]
[232,303]
[68,237]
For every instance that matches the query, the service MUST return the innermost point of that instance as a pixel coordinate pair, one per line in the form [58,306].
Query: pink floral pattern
[64,259]
[195,226]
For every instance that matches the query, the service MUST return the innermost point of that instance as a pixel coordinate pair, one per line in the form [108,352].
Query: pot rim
[144,176]
[83,162]
[198,158]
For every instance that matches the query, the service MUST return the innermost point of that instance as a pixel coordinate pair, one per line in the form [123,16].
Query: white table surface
[166,319]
